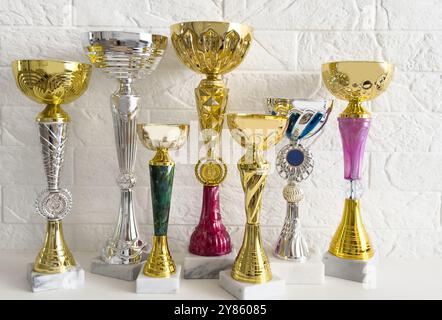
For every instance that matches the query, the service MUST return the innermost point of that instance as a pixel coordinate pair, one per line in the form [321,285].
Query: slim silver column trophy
[294,163]
[125,56]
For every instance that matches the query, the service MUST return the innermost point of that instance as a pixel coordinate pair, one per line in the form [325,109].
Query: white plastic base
[355,270]
[128,272]
[202,267]
[249,291]
[72,279]
[311,271]
[145,284]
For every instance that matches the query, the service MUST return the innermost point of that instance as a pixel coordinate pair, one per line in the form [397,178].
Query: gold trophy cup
[161,138]
[356,82]
[213,49]
[52,83]
[256,133]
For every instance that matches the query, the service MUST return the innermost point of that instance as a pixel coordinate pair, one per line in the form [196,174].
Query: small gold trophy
[161,138]
[256,133]
[211,48]
[351,251]
[53,83]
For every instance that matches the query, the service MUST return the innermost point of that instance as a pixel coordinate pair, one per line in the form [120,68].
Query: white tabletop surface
[397,279]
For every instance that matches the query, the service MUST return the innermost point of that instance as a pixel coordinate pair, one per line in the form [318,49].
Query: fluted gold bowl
[357,80]
[51,81]
[211,47]
[157,136]
[257,129]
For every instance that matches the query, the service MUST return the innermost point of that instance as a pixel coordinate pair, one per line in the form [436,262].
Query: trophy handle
[318,129]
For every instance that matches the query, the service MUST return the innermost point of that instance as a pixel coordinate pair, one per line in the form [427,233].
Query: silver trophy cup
[294,163]
[125,56]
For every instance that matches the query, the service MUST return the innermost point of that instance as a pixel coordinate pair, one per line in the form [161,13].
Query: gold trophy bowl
[357,81]
[211,47]
[161,138]
[255,133]
[52,83]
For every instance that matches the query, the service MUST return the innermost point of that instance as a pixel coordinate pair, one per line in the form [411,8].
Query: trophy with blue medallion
[294,163]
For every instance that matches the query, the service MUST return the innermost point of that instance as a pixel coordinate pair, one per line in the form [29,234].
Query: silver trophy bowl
[294,163]
[125,56]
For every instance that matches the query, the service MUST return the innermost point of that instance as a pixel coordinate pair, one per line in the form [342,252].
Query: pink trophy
[351,255]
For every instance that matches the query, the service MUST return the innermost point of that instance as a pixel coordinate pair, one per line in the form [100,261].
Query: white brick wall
[403,176]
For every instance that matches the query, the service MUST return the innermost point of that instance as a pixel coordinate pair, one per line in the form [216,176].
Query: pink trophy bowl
[210,237]
[354,133]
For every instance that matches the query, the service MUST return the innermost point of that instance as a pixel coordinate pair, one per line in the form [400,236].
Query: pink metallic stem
[210,237]
[354,133]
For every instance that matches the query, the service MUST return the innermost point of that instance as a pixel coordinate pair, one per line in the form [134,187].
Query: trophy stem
[210,237]
[351,239]
[55,256]
[53,203]
[251,264]
[160,263]
[291,244]
[125,246]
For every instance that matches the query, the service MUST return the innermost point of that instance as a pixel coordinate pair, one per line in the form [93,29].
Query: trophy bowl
[162,136]
[125,54]
[357,80]
[50,81]
[306,117]
[211,47]
[256,129]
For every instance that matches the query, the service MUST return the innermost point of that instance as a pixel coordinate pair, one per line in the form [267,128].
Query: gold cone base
[160,263]
[351,240]
[251,264]
[55,257]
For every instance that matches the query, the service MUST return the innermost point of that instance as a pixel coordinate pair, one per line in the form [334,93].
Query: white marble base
[250,291]
[354,270]
[145,284]
[72,279]
[202,267]
[128,272]
[310,271]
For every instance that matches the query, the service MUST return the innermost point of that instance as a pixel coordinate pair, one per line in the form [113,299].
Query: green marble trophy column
[161,138]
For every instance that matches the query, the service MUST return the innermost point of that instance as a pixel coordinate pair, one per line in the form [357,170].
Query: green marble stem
[161,181]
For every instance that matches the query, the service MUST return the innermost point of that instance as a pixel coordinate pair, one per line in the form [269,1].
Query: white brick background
[403,176]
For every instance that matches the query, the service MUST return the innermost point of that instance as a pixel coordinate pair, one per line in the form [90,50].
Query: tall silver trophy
[294,163]
[125,56]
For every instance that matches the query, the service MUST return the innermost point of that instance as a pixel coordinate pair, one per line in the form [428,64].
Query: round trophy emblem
[211,171]
[294,162]
[54,205]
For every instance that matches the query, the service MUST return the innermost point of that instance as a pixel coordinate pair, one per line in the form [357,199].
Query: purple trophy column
[354,133]
[210,237]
